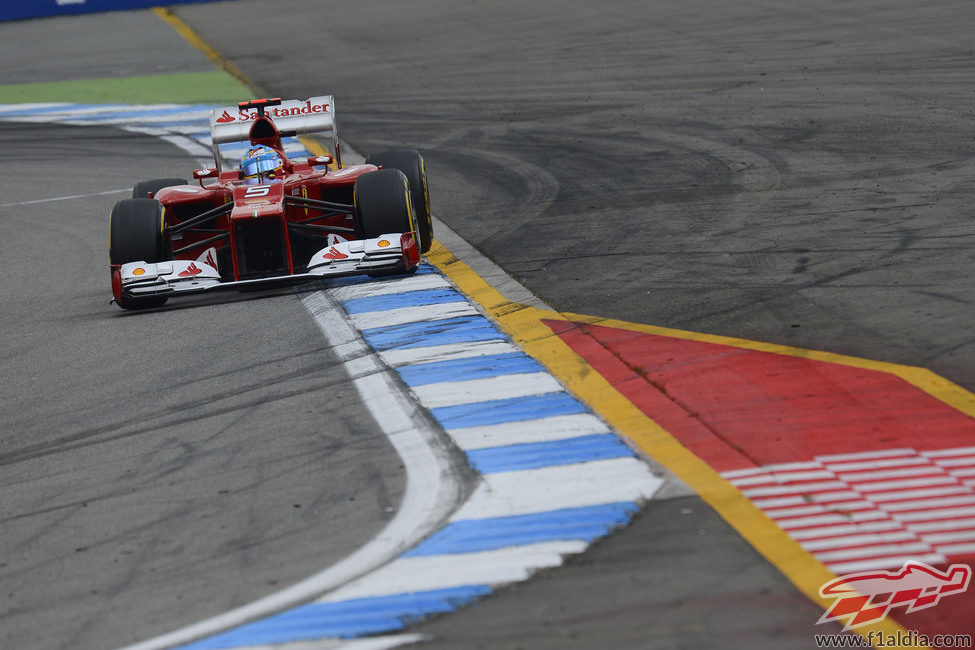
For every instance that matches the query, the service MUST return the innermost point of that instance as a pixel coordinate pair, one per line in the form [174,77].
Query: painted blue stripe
[598,446]
[343,619]
[435,332]
[515,409]
[492,365]
[473,535]
[400,300]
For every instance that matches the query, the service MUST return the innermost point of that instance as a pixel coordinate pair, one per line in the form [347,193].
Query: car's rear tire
[148,189]
[382,206]
[410,162]
[137,234]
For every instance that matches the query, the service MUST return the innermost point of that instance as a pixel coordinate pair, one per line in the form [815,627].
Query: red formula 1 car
[272,221]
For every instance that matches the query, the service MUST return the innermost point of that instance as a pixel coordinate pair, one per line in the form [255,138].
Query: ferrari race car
[271,221]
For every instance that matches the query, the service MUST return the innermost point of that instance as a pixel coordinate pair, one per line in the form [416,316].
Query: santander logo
[225,118]
[279,111]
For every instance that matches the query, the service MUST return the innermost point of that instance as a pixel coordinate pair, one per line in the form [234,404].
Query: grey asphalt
[779,171]
[156,468]
[769,169]
[774,170]
[94,46]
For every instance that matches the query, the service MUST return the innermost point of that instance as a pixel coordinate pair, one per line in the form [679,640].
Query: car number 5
[257,190]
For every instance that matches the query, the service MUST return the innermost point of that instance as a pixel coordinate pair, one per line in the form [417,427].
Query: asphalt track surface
[775,171]
[769,170]
[164,467]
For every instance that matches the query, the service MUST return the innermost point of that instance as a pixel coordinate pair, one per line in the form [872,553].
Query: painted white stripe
[369,643]
[924,504]
[544,489]
[804,522]
[857,540]
[779,513]
[391,286]
[805,488]
[558,427]
[850,506]
[447,352]
[866,455]
[141,119]
[942,513]
[874,551]
[877,464]
[923,470]
[835,499]
[966,461]
[748,471]
[960,536]
[894,561]
[957,451]
[413,314]
[781,502]
[486,389]
[790,467]
[956,549]
[495,567]
[9,108]
[907,483]
[952,524]
[792,477]
[65,198]
[760,479]
[907,495]
[828,531]
[432,491]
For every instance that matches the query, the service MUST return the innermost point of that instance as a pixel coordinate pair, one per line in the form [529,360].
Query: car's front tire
[382,206]
[137,233]
[410,162]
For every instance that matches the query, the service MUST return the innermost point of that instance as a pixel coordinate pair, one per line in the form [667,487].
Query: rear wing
[293,117]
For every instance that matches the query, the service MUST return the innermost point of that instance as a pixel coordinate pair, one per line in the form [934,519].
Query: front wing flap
[392,253]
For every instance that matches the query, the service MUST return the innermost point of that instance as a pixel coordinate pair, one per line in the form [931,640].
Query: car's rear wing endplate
[293,117]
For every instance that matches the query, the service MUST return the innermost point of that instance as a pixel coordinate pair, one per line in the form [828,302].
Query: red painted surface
[738,408]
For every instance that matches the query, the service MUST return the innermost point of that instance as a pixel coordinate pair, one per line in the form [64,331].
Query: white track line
[433,486]
[63,198]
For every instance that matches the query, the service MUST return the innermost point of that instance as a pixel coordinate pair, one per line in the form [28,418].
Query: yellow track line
[215,57]
[524,325]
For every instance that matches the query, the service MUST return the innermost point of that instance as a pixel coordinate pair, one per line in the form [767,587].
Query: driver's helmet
[260,163]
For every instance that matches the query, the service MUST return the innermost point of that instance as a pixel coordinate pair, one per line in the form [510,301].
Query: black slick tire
[137,234]
[382,202]
[410,162]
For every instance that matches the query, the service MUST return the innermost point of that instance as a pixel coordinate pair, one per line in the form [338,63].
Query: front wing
[392,253]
